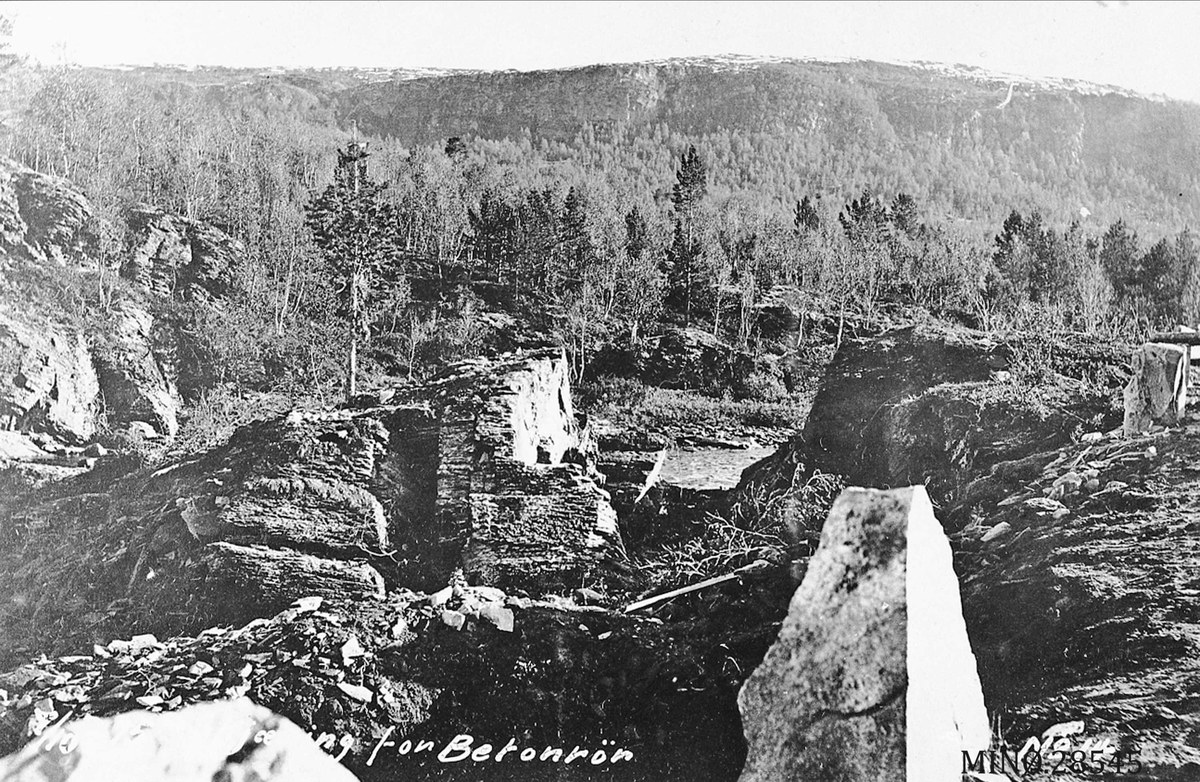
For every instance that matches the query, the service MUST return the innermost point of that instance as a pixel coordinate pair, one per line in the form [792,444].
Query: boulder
[47,382]
[253,580]
[1157,389]
[227,740]
[872,676]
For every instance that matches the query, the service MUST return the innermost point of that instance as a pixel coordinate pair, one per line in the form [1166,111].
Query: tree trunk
[355,318]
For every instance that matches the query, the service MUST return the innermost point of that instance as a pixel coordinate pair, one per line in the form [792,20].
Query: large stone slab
[872,676]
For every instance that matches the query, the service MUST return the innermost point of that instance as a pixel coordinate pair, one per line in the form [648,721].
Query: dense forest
[601,205]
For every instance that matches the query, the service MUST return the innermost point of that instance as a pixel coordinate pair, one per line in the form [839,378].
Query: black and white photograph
[613,391]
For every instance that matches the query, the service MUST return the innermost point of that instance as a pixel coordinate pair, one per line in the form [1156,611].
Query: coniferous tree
[684,275]
[1119,257]
[806,216]
[493,235]
[456,148]
[865,219]
[578,251]
[637,237]
[357,231]
[691,183]
[1158,284]
[904,215]
[1187,258]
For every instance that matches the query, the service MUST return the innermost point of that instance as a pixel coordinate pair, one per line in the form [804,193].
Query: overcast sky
[1147,46]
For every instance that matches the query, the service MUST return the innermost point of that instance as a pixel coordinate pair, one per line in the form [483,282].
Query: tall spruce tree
[684,275]
[357,231]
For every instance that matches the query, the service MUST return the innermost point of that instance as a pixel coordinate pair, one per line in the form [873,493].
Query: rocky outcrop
[41,216]
[56,373]
[179,258]
[484,469]
[135,385]
[950,435]
[872,676]
[47,382]
[938,405]
[222,740]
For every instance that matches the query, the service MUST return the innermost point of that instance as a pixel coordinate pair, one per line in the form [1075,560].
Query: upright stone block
[1157,389]
[872,675]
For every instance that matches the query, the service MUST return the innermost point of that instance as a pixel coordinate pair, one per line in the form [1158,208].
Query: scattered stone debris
[356,674]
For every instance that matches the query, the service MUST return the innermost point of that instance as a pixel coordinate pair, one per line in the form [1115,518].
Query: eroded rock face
[207,741]
[129,353]
[180,258]
[517,470]
[135,384]
[47,382]
[872,677]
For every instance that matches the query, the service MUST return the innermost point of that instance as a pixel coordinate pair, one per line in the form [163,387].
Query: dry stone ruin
[485,468]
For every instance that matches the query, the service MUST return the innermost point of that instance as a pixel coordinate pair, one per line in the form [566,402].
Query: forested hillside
[597,206]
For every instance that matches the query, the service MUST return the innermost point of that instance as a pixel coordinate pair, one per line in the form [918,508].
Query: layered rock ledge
[485,469]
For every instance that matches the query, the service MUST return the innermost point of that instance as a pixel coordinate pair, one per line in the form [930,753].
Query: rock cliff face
[485,469]
[42,217]
[49,383]
[57,374]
